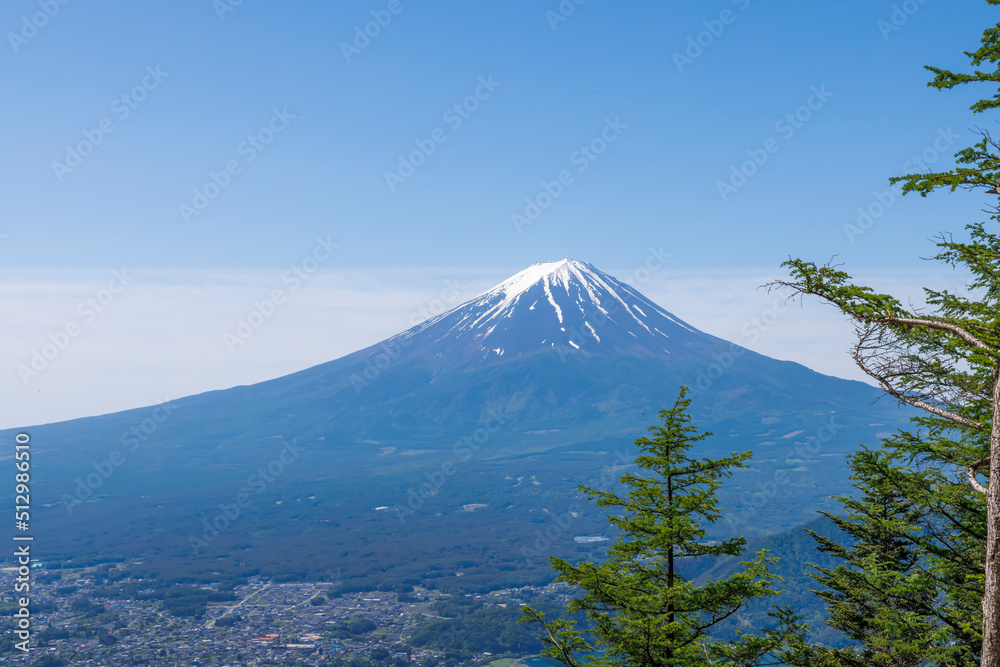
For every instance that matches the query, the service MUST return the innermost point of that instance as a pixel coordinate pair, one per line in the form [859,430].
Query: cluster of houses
[268,623]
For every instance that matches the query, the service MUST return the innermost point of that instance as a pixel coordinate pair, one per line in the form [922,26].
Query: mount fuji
[559,347]
[561,306]
[448,448]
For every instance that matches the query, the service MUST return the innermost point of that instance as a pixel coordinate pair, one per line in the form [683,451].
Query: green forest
[910,575]
[886,552]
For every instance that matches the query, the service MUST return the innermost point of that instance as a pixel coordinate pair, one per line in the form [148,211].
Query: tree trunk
[991,598]
[670,573]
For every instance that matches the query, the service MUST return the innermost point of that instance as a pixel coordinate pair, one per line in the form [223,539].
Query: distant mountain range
[453,448]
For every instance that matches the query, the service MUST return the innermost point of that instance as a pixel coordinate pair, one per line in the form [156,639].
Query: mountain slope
[559,345]
[469,432]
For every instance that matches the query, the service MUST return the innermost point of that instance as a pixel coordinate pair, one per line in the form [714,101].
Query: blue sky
[198,82]
[325,172]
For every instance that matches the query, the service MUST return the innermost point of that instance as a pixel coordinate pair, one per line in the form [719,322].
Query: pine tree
[643,611]
[944,359]
[909,589]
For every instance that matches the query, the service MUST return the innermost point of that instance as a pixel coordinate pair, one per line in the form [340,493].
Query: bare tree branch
[971,474]
[884,373]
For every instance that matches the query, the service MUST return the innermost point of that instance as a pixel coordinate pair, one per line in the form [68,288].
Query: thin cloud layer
[79,344]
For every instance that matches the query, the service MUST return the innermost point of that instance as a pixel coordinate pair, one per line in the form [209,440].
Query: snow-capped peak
[548,274]
[565,305]
[561,271]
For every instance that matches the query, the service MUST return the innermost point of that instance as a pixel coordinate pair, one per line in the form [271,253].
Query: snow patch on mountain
[591,287]
[567,305]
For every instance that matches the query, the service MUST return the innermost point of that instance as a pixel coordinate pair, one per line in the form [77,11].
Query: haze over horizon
[190,320]
[452,143]
[358,334]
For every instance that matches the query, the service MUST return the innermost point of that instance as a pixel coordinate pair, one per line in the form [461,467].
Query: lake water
[537,662]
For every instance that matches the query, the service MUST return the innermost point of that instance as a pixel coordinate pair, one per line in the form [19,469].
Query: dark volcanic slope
[554,372]
[558,346]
